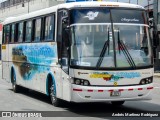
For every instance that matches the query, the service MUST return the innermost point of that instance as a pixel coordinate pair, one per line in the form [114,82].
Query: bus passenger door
[63,55]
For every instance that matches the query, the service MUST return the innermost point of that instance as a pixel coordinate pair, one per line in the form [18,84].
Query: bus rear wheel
[54,100]
[117,103]
[15,87]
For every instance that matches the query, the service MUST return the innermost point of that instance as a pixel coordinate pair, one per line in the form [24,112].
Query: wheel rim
[14,86]
[14,82]
[53,94]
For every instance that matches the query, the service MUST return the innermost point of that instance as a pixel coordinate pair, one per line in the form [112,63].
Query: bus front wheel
[117,103]
[54,100]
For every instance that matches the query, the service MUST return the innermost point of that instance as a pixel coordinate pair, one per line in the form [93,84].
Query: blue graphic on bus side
[33,59]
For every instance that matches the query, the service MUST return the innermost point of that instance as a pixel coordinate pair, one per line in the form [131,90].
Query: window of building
[49,28]
[20,32]
[6,34]
[28,31]
[12,33]
[37,33]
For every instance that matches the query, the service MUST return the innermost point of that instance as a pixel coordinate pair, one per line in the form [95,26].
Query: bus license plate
[115,93]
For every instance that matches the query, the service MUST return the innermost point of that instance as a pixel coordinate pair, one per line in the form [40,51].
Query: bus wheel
[15,87]
[117,103]
[54,100]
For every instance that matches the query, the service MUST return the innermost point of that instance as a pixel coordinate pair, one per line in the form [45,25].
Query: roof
[70,5]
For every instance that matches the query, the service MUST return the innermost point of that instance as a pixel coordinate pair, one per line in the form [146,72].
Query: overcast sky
[141,2]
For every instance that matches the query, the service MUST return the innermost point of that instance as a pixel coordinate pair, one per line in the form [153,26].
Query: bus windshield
[110,38]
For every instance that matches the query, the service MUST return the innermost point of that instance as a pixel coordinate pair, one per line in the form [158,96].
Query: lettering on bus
[115,76]
[106,76]
[130,20]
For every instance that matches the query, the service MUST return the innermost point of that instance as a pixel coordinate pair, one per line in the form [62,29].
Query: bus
[80,52]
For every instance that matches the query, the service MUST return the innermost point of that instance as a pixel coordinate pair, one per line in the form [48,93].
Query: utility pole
[28,5]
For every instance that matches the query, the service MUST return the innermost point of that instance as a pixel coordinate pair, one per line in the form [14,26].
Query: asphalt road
[34,101]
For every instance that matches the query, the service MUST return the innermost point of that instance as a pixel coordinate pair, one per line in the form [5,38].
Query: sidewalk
[156,74]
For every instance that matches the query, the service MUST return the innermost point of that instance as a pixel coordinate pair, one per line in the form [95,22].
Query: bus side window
[20,32]
[37,29]
[28,31]
[6,34]
[49,28]
[16,33]
[12,33]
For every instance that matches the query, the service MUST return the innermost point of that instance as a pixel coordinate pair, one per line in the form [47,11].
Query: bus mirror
[65,22]
[66,31]
[151,24]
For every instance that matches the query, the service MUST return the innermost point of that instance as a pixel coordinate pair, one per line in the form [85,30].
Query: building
[11,8]
[156,40]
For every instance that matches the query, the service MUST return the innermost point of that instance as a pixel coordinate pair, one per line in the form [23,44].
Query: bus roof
[70,5]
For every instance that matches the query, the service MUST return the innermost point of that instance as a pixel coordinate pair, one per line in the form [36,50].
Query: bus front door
[63,54]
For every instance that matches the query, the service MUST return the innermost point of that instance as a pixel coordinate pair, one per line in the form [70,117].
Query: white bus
[80,52]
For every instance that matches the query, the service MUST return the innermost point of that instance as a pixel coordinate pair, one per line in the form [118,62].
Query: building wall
[21,8]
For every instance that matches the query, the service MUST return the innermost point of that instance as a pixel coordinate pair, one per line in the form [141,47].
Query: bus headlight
[86,83]
[81,82]
[150,80]
[146,81]
[143,82]
[77,82]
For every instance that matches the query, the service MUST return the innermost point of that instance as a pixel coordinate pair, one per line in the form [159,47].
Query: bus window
[49,28]
[28,31]
[12,33]
[37,30]
[20,32]
[6,34]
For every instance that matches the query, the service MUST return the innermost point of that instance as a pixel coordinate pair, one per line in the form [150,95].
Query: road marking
[156,87]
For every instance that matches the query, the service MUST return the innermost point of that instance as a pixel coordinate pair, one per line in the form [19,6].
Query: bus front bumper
[102,94]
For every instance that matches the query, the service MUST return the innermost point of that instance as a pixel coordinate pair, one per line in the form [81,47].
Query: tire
[117,103]
[15,87]
[54,100]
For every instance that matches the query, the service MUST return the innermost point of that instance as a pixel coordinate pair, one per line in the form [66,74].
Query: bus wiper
[121,46]
[106,45]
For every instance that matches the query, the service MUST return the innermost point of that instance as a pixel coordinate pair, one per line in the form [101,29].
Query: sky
[140,2]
